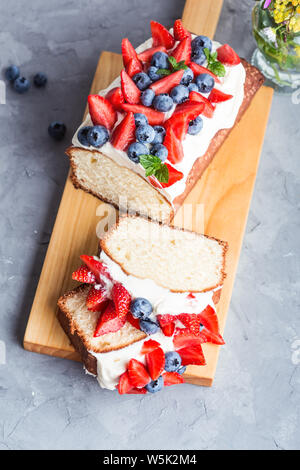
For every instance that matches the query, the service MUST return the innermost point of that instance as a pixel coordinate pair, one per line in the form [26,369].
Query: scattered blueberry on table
[57,130]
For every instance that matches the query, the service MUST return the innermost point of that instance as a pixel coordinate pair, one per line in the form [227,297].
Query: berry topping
[101,111]
[149,327]
[138,374]
[135,150]
[193,87]
[160,60]
[155,385]
[192,355]
[173,361]
[181,370]
[141,308]
[134,66]
[133,321]
[183,51]
[217,96]
[198,56]
[97,136]
[188,77]
[198,69]
[167,324]
[108,322]
[160,151]
[179,94]
[146,55]
[152,72]
[57,130]
[12,72]
[97,267]
[83,274]
[130,91]
[116,98]
[174,176]
[168,330]
[141,80]
[209,319]
[154,117]
[128,52]
[149,346]
[145,134]
[179,31]
[137,391]
[161,36]
[140,119]
[172,378]
[202,42]
[160,133]
[155,361]
[227,55]
[165,85]
[124,133]
[163,102]
[183,114]
[174,146]
[195,126]
[82,135]
[21,85]
[96,298]
[208,110]
[147,97]
[121,298]
[124,385]
[205,82]
[184,338]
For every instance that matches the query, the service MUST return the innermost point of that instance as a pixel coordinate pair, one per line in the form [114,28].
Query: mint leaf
[154,166]
[164,72]
[213,64]
[177,65]
[172,61]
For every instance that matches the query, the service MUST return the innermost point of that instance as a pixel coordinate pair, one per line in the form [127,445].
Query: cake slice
[187,92]
[151,281]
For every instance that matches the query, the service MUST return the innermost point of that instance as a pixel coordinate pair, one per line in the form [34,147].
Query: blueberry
[173,361]
[149,327]
[160,151]
[152,73]
[57,130]
[195,126]
[82,135]
[140,307]
[181,370]
[188,77]
[201,41]
[40,79]
[179,94]
[135,150]
[147,97]
[201,327]
[193,87]
[160,60]
[155,385]
[198,56]
[160,133]
[97,136]
[142,80]
[140,119]
[205,82]
[11,73]
[145,134]
[163,102]
[21,84]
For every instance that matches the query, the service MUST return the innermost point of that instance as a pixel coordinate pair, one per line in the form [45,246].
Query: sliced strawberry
[165,85]
[96,298]
[137,391]
[134,66]
[174,176]
[191,321]
[138,374]
[155,361]
[101,111]
[133,321]
[208,107]
[179,31]
[227,55]
[128,52]
[192,355]
[149,346]
[116,98]
[184,338]
[172,378]
[198,69]
[180,119]
[209,319]
[155,118]
[168,330]
[209,337]
[124,133]
[97,267]
[130,91]
[217,96]
[121,299]
[109,322]
[146,55]
[174,146]
[190,109]
[124,385]
[165,319]
[183,50]
[83,274]
[161,36]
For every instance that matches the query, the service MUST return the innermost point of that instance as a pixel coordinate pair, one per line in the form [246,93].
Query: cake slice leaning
[176,271]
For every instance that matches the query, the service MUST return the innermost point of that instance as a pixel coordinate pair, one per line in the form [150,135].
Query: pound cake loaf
[145,305]
[152,133]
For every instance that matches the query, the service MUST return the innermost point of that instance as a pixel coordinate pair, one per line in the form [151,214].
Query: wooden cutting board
[224,192]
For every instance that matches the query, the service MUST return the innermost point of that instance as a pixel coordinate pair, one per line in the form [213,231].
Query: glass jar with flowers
[276,29]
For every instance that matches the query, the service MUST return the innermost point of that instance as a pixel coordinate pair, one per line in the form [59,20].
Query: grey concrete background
[48,403]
